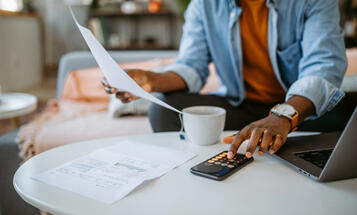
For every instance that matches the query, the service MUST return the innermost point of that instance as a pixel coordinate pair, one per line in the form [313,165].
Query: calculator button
[232,160]
[210,161]
[214,159]
[225,153]
[223,164]
[230,166]
[217,162]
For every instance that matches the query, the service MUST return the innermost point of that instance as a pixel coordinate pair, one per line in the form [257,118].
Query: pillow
[349,83]
[140,106]
[84,86]
[352,61]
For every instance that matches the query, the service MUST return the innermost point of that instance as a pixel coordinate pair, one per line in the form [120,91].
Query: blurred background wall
[39,32]
[33,39]
[61,36]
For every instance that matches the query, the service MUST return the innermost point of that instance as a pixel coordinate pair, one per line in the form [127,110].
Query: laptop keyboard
[318,158]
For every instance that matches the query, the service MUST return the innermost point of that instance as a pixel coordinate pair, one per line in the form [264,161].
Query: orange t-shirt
[261,84]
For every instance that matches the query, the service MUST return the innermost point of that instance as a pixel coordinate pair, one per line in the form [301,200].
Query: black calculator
[220,167]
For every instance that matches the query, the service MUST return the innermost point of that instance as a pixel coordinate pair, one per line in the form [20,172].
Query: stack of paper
[109,174]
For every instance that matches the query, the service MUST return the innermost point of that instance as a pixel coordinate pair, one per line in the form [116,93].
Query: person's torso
[260,83]
[222,28]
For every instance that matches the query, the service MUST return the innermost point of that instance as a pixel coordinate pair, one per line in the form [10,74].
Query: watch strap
[294,119]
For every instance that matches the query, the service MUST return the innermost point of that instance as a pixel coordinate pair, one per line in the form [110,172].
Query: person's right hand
[144,79]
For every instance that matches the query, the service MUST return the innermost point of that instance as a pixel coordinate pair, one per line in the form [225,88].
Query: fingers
[238,140]
[253,141]
[267,140]
[278,143]
[229,139]
[125,97]
[105,82]
[107,88]
[110,90]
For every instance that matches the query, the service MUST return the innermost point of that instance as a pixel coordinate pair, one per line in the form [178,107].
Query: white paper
[115,75]
[109,174]
[303,133]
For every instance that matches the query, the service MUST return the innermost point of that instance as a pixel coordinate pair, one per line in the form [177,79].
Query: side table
[13,105]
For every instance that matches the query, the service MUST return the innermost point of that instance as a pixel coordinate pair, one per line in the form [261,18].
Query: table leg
[15,122]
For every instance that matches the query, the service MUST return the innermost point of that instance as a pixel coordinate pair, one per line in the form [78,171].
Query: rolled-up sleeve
[192,62]
[323,63]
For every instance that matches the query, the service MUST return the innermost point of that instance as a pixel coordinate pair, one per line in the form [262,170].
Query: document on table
[115,75]
[109,174]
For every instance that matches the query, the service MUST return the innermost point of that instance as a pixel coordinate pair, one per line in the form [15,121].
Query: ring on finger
[279,135]
[264,132]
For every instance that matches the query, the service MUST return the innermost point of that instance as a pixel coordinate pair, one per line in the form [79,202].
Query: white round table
[16,104]
[265,186]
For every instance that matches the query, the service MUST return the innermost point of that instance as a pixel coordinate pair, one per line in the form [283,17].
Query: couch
[10,202]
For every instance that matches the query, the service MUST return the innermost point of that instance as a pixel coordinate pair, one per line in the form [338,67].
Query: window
[11,5]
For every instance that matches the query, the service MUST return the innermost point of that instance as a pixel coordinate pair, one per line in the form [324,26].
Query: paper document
[109,174]
[115,75]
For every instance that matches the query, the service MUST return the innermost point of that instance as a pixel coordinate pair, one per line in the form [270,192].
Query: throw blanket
[81,114]
[56,113]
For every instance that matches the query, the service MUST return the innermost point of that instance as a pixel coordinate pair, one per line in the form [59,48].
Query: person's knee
[163,119]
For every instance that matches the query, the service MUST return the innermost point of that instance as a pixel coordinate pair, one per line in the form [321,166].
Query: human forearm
[303,106]
[167,82]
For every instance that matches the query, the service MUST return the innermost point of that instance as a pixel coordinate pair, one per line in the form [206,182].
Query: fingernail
[261,153]
[230,155]
[271,151]
[248,154]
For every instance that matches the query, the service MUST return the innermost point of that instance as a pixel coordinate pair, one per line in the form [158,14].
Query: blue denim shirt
[306,49]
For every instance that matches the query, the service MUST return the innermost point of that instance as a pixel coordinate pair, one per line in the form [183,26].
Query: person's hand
[144,79]
[271,132]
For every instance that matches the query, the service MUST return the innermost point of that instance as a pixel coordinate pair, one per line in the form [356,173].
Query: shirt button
[232,15]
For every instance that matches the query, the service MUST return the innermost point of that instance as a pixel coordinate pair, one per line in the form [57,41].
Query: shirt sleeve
[324,62]
[194,57]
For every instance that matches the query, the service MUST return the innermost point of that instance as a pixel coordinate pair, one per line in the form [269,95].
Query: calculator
[220,167]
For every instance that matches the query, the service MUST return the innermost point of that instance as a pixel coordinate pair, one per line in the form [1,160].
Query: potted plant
[182,4]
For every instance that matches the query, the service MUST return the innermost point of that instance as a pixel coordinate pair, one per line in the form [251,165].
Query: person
[266,52]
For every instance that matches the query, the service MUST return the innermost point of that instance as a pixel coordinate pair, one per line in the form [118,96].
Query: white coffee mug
[204,124]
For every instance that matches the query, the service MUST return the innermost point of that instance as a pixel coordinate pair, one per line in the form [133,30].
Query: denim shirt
[305,44]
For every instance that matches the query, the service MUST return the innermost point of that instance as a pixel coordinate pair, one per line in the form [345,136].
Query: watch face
[285,109]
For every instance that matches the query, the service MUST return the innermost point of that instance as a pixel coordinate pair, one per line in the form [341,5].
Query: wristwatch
[287,111]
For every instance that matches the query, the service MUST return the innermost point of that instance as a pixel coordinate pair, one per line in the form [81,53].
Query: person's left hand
[271,132]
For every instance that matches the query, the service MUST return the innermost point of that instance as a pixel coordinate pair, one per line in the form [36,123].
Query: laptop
[326,157]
